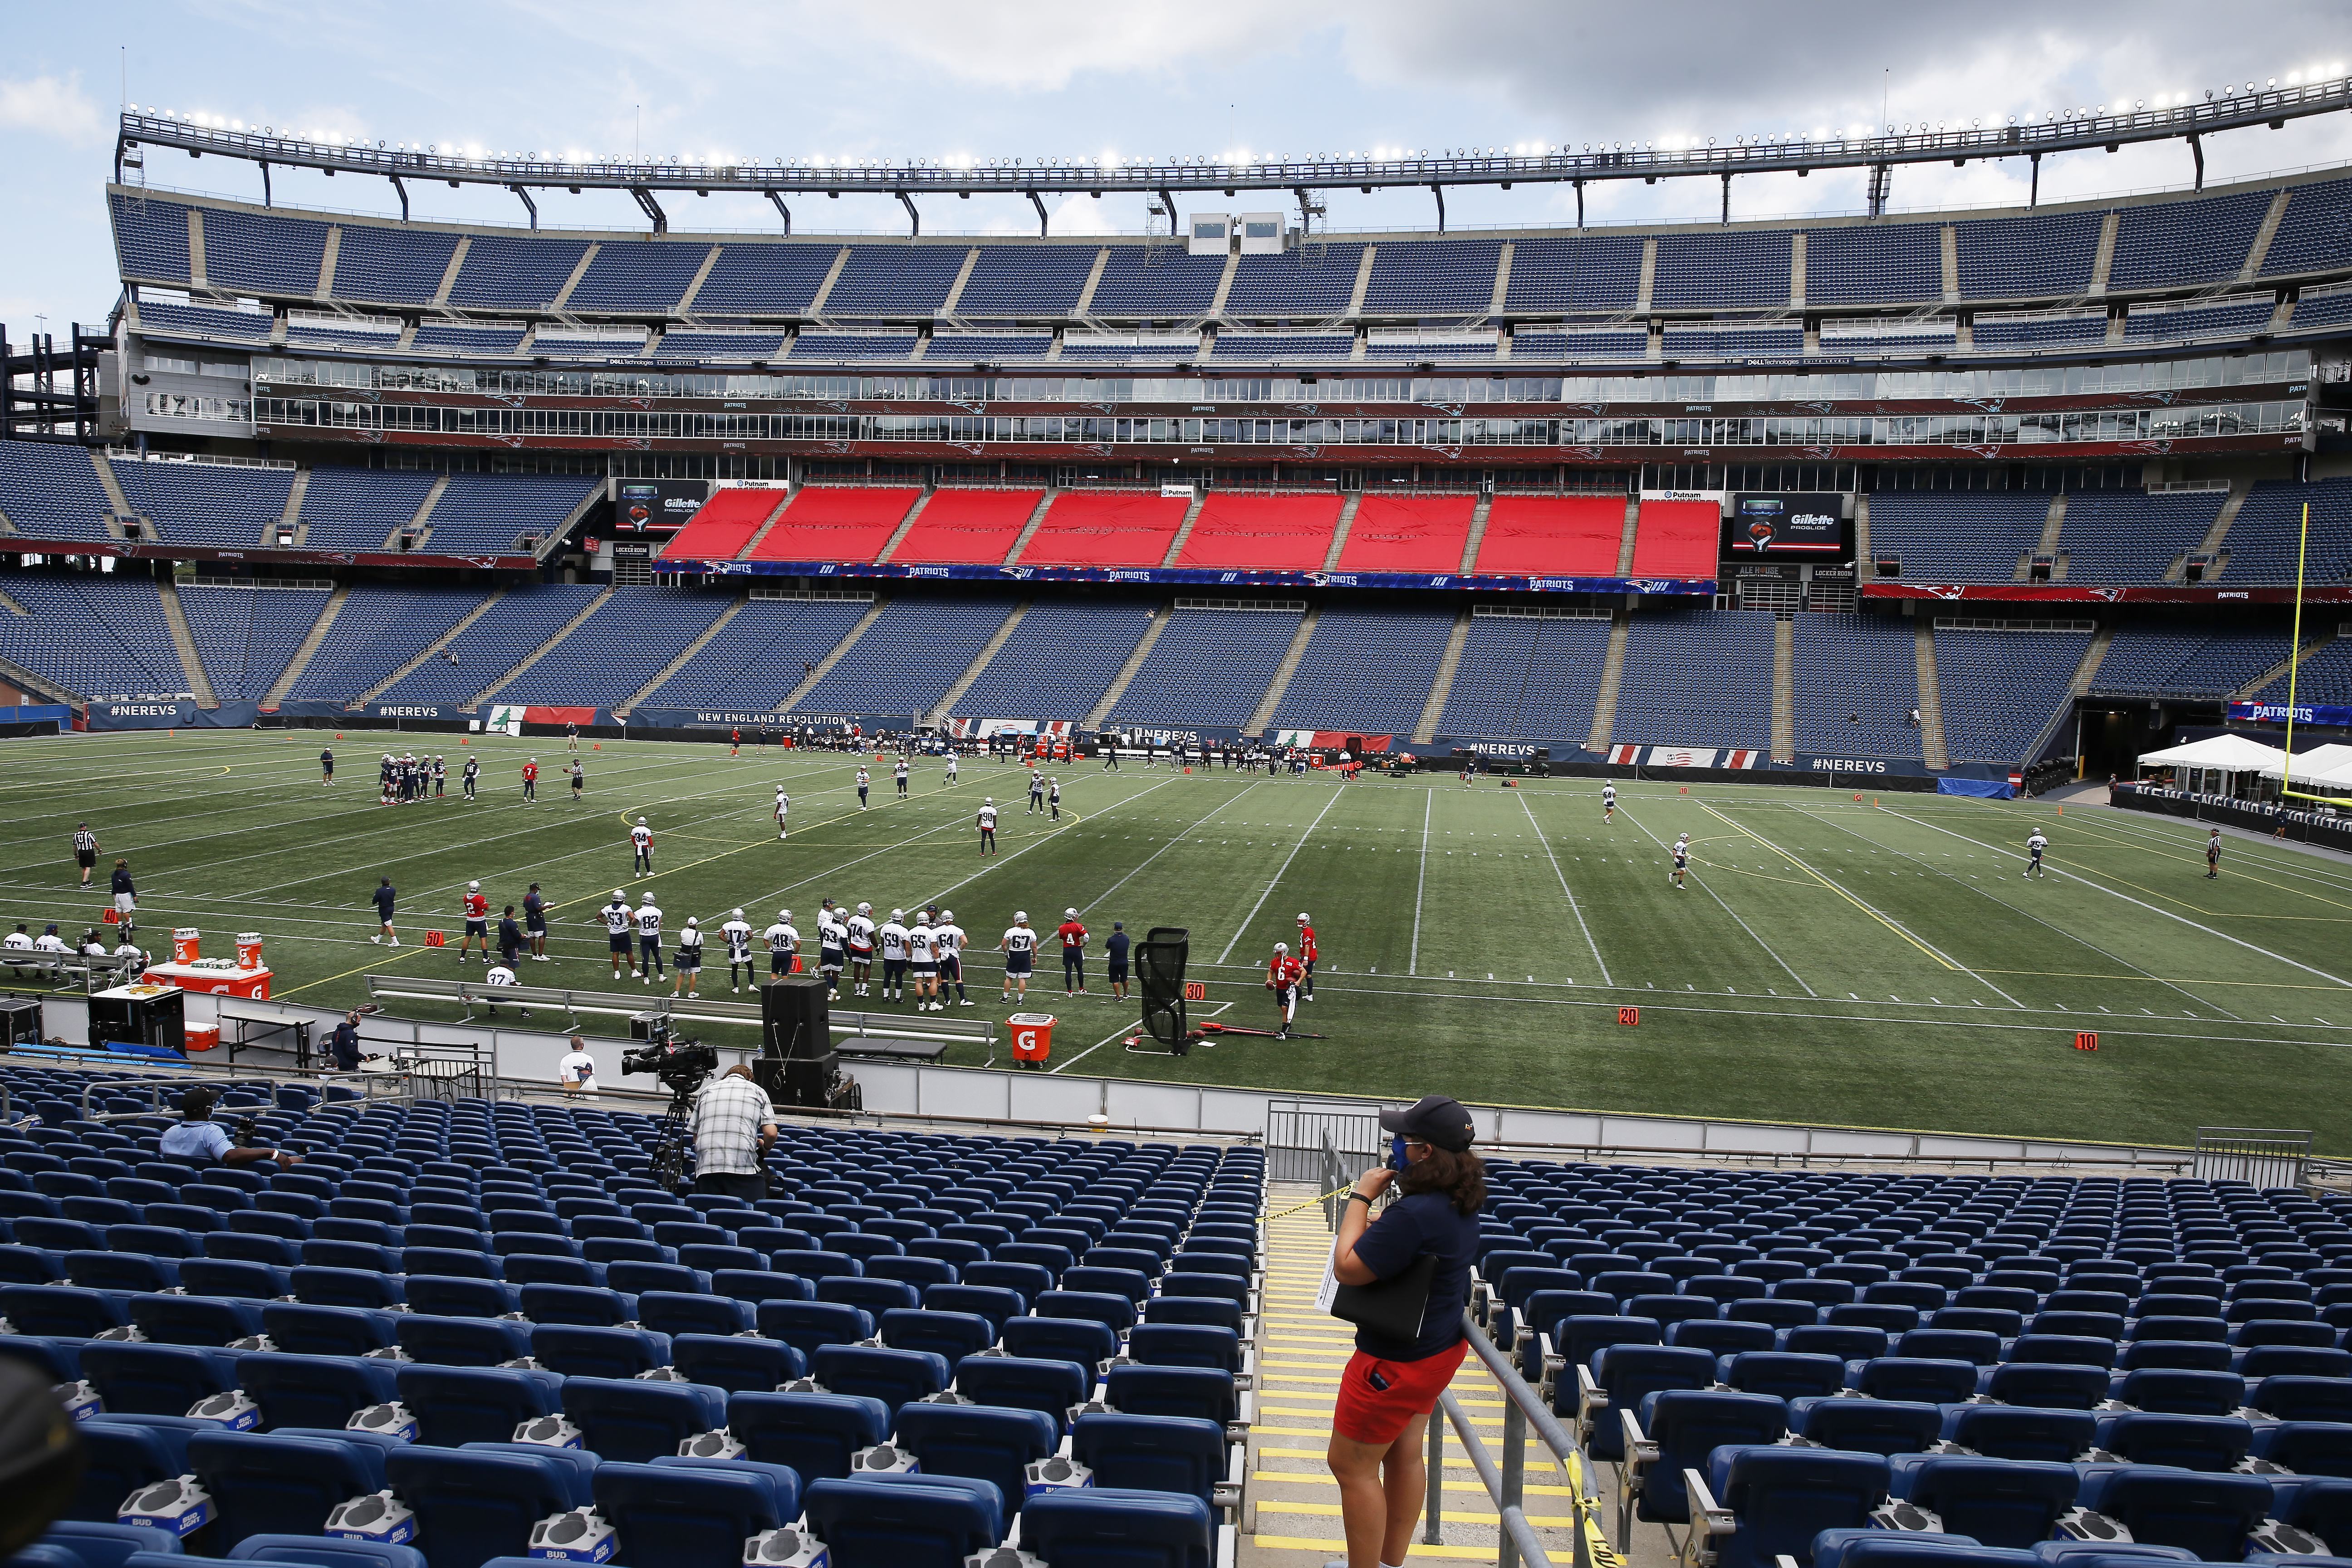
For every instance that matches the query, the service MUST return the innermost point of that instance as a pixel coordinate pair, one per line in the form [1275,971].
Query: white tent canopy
[2228,754]
[2321,764]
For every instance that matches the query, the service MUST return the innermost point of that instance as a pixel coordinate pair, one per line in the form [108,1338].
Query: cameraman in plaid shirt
[734,1127]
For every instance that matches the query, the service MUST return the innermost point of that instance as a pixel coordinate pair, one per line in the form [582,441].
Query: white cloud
[53,106]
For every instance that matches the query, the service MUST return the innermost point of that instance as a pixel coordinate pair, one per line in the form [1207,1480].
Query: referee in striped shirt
[85,850]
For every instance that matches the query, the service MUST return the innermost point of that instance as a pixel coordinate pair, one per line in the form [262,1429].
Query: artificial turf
[1875,962]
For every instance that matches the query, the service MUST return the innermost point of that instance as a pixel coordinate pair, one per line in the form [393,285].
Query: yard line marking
[1270,887]
[2037,920]
[1727,908]
[996,860]
[1115,1034]
[1579,913]
[1156,853]
[1885,921]
[1412,962]
[2152,908]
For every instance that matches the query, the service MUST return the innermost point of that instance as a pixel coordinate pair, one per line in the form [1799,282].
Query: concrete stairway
[431,650]
[1432,710]
[674,666]
[945,708]
[312,641]
[192,663]
[1120,682]
[825,666]
[1279,687]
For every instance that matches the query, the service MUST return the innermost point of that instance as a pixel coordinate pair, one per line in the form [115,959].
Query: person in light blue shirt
[199,1140]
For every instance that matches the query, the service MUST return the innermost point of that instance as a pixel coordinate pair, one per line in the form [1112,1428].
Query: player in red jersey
[1074,954]
[477,922]
[531,779]
[1282,974]
[1307,953]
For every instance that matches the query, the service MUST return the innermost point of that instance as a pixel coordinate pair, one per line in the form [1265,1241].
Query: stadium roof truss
[2231,109]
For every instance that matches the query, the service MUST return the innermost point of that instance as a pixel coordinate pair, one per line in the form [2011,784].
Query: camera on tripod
[681,1066]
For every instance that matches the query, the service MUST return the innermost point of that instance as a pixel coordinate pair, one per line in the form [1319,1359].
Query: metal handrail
[1507,1483]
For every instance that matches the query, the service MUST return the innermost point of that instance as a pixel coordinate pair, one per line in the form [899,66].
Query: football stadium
[961,779]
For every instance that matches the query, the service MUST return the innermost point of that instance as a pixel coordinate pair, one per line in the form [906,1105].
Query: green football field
[1873,962]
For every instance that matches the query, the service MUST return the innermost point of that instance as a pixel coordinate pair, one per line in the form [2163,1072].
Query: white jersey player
[892,934]
[783,809]
[950,941]
[923,962]
[619,926]
[1609,802]
[858,940]
[641,842]
[1019,946]
[832,941]
[650,952]
[987,823]
[951,767]
[737,931]
[784,944]
[2034,846]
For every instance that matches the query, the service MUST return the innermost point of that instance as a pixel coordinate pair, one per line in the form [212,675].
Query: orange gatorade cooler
[248,949]
[186,943]
[1033,1036]
[201,1038]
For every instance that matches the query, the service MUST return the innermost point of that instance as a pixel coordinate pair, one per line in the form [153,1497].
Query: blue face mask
[1397,1161]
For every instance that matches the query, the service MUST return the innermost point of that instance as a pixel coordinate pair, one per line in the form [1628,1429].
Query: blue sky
[931,78]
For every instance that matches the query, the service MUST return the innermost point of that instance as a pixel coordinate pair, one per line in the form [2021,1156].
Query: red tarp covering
[1677,539]
[1265,534]
[723,526]
[1408,533]
[823,523]
[1106,529]
[973,527]
[1552,536]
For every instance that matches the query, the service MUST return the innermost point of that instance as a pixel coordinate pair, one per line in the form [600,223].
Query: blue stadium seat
[281,1484]
[1020,1383]
[156,1380]
[736,1362]
[691,1513]
[1076,1339]
[983,1442]
[1868,1425]
[463,1341]
[1102,1527]
[2001,1503]
[1155,1453]
[209,1321]
[2207,1514]
[1622,1375]
[1686,1425]
[107,1544]
[301,1330]
[480,1500]
[1780,1499]
[2306,1447]
[892,1376]
[455,1405]
[573,1351]
[1911,1549]
[2189,1442]
[314,1390]
[125,1454]
[814,1434]
[904,1520]
[325,1554]
[1782,1374]
[809,1326]
[1195,1392]
[638,1422]
[2016,1432]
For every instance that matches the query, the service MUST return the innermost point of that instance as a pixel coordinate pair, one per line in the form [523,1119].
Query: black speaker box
[796,1021]
[806,1081]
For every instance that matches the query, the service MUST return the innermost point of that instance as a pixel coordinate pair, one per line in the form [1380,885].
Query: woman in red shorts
[1390,1386]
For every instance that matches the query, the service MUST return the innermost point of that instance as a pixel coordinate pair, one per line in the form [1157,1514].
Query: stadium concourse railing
[525,1053]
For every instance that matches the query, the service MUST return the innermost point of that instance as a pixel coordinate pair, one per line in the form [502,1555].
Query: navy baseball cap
[1432,1119]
